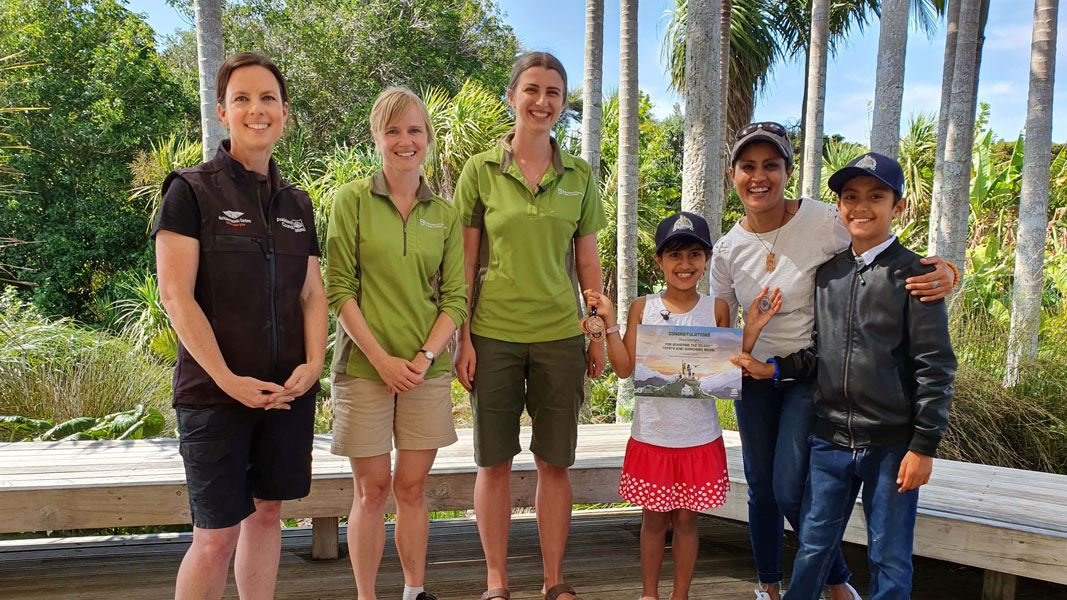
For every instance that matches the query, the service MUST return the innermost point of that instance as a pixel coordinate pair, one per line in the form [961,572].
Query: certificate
[687,362]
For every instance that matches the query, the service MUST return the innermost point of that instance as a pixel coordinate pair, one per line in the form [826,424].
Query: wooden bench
[1006,521]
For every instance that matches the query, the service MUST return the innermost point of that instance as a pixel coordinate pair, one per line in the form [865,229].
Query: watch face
[429,355]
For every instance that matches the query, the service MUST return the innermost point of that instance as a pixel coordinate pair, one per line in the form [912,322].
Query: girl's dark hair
[536,59]
[246,59]
[683,243]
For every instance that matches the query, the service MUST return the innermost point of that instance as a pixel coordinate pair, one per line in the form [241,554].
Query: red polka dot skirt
[663,479]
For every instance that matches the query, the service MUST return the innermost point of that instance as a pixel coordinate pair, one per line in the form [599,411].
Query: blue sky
[558,26]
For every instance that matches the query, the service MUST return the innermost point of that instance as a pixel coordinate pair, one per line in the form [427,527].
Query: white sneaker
[761,593]
[851,590]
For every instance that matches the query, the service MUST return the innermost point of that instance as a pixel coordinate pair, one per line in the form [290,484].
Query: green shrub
[57,370]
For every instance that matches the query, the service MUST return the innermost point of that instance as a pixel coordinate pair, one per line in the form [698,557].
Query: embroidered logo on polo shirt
[426,223]
[234,218]
[563,192]
[296,225]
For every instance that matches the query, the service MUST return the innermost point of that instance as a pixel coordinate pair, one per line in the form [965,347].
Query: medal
[764,304]
[772,261]
[593,325]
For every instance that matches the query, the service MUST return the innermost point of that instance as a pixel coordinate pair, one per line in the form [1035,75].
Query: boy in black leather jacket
[884,368]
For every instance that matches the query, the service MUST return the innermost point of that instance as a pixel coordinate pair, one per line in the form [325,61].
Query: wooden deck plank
[602,562]
[71,485]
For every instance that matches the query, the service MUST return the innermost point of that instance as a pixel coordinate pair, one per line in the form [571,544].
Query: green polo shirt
[526,292]
[392,268]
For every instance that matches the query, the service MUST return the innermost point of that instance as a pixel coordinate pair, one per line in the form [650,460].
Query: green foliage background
[107,92]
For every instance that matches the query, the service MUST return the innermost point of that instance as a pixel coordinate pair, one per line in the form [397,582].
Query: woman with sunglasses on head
[779,245]
[527,205]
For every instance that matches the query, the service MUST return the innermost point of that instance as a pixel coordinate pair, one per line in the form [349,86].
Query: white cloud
[998,89]
[1007,37]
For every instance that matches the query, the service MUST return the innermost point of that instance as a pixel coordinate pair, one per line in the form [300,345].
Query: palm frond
[150,167]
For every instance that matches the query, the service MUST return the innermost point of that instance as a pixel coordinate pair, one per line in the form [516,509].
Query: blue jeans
[774,425]
[837,475]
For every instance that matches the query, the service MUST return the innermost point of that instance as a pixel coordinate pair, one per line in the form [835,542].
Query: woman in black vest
[237,259]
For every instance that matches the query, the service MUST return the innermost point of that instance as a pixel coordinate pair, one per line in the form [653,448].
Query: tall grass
[58,370]
[1022,427]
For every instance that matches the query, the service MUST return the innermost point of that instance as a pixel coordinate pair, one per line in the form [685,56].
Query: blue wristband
[777,373]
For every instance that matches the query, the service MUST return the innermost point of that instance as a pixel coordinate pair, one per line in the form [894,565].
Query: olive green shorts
[545,378]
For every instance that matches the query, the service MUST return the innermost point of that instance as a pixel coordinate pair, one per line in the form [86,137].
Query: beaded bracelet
[955,273]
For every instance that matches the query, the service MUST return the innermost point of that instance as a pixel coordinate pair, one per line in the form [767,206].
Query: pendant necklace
[772,259]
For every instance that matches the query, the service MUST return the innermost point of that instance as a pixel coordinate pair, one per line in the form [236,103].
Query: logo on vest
[426,223]
[563,192]
[234,218]
[296,225]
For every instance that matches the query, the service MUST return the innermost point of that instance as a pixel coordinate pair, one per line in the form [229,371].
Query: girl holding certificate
[675,464]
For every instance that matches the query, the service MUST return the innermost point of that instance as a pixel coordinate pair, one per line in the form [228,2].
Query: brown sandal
[563,588]
[497,593]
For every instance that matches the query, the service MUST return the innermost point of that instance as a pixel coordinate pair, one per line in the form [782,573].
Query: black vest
[253,262]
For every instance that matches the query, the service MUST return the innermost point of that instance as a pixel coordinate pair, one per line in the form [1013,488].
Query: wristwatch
[429,354]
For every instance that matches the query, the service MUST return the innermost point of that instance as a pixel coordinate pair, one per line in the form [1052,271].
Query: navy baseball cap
[683,225]
[769,132]
[872,164]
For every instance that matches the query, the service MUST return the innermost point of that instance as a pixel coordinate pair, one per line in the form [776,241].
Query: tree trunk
[1033,202]
[889,79]
[209,54]
[702,167]
[816,98]
[950,233]
[725,19]
[803,121]
[627,185]
[592,85]
[952,26]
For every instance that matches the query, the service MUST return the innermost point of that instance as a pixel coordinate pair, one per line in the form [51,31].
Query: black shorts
[233,453]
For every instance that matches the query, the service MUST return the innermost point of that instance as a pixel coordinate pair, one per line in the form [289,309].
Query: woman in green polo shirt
[526,207]
[395,273]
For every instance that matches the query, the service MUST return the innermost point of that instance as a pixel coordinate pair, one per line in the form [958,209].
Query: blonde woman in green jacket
[395,273]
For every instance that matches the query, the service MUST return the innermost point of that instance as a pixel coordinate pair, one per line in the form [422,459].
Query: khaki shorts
[366,418]
[545,378]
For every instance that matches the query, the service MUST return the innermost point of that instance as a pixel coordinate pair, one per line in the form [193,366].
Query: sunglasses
[768,126]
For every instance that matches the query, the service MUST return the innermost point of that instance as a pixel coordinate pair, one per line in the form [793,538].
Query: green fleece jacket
[403,274]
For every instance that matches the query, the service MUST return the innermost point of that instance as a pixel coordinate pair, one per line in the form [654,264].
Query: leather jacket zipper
[848,355]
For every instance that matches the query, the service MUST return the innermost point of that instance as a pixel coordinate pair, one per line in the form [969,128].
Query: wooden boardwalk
[602,562]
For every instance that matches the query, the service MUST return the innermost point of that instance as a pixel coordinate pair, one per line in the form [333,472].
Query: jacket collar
[503,155]
[235,169]
[379,186]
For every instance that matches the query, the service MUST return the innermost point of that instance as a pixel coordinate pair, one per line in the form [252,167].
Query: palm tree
[750,48]
[702,165]
[816,86]
[948,72]
[627,166]
[592,93]
[725,18]
[1033,203]
[209,53]
[952,27]
[889,79]
[948,238]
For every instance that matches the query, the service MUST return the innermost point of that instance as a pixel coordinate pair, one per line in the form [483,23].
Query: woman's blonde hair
[392,104]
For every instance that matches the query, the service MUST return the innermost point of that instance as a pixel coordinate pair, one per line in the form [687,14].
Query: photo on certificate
[687,362]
